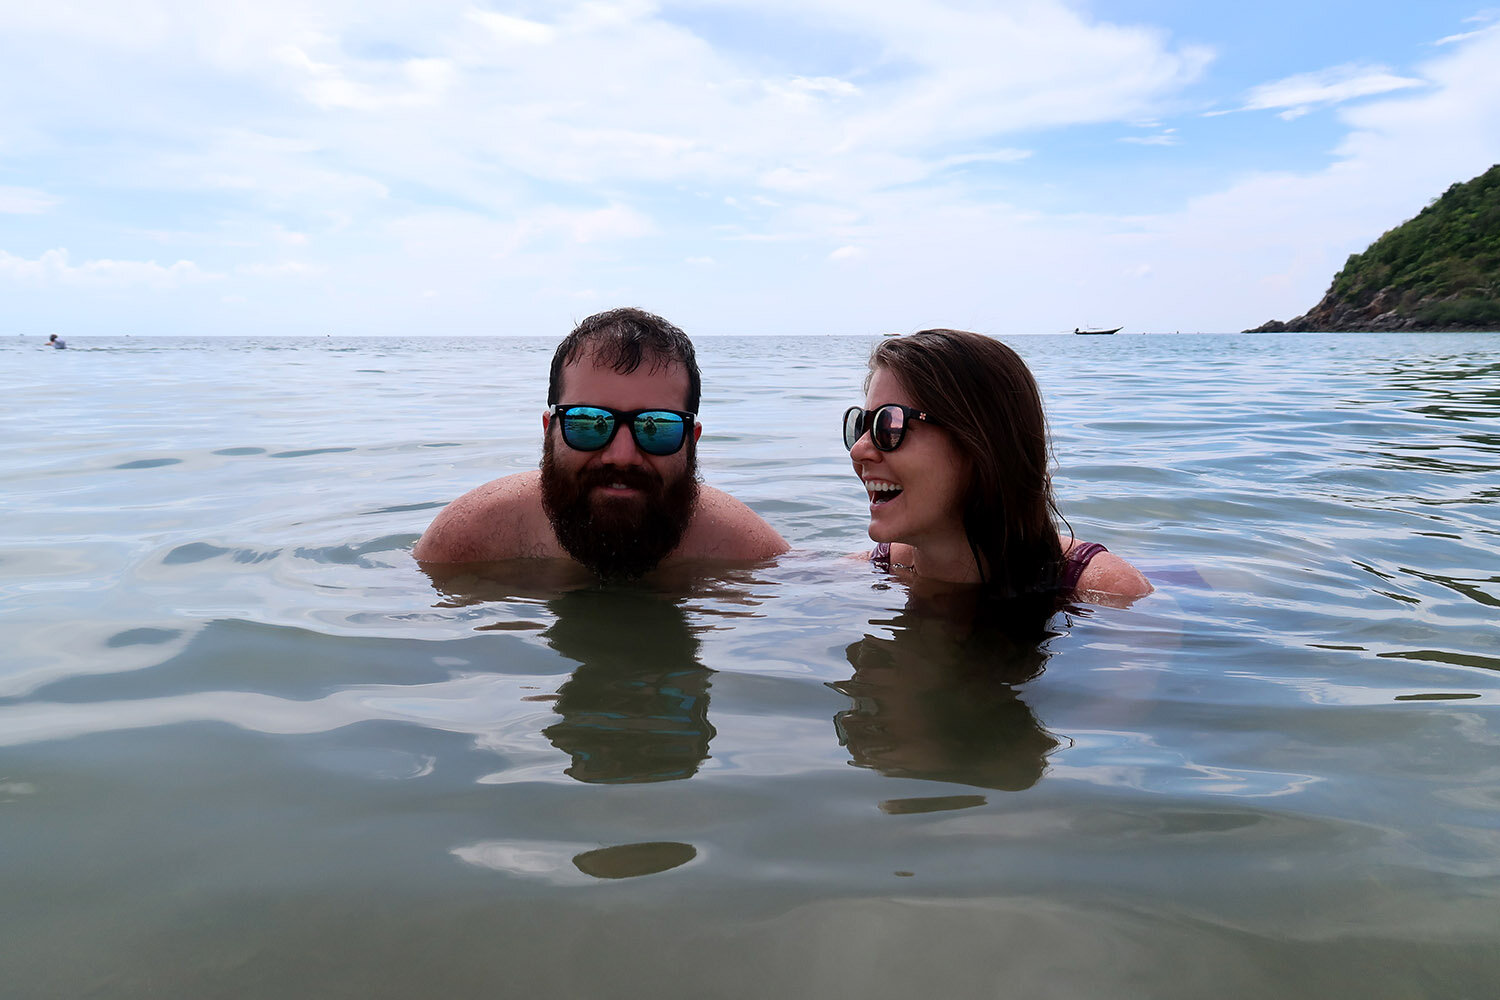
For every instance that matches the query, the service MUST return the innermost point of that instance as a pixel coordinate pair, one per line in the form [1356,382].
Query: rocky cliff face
[1334,314]
[1437,271]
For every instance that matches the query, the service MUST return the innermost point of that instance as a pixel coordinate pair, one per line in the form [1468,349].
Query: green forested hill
[1438,271]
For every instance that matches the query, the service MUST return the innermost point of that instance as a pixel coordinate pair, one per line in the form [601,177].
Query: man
[618,489]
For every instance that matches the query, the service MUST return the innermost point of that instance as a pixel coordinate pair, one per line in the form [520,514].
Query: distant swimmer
[55,341]
[618,489]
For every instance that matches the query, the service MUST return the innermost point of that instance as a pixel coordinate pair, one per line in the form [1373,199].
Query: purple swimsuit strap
[880,558]
[1078,557]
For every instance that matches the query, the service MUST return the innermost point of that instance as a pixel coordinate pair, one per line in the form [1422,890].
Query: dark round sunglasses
[886,424]
[590,428]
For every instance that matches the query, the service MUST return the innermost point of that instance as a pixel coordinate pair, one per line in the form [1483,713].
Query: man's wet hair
[624,339]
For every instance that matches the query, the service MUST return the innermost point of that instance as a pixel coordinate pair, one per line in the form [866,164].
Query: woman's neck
[948,558]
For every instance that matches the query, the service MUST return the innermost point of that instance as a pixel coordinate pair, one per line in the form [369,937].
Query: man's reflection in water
[937,700]
[636,708]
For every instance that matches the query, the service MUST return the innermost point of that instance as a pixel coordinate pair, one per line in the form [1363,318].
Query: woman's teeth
[882,492]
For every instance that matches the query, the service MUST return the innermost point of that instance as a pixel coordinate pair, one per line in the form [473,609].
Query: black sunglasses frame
[867,421]
[622,418]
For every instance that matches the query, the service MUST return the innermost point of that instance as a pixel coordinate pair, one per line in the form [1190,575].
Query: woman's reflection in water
[636,707]
[937,699]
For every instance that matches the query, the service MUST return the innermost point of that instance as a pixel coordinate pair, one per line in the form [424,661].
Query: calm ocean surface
[248,748]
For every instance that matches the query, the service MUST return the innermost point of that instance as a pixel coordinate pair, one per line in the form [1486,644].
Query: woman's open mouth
[881,492]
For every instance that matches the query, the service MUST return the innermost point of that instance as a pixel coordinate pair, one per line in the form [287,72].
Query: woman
[951,445]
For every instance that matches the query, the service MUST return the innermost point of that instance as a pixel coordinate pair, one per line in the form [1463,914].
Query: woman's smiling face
[916,491]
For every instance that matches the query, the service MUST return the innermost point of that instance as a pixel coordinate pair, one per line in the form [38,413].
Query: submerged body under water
[248,745]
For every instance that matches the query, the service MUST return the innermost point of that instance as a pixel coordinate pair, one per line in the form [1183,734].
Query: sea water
[248,747]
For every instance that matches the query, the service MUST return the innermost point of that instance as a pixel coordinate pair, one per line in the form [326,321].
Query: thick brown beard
[618,538]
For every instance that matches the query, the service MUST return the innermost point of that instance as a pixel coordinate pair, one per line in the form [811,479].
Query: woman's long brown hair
[981,392]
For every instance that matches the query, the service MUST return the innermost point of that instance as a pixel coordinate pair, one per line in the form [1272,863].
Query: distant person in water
[55,341]
[951,445]
[618,488]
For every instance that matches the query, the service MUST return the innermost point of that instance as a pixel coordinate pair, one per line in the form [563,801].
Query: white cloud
[803,93]
[1298,95]
[412,83]
[514,157]
[55,268]
[276,173]
[483,104]
[1267,246]
[991,156]
[987,71]
[1486,18]
[507,29]
[1166,137]
[616,222]
[1460,37]
[25,201]
[282,269]
[1264,246]
[791,179]
[831,86]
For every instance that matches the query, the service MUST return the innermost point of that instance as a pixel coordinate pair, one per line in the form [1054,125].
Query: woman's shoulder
[1103,572]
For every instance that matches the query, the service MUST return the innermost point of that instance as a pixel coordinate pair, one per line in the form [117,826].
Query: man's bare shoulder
[724,528]
[503,519]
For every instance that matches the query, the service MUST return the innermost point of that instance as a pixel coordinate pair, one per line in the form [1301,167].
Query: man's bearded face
[618,537]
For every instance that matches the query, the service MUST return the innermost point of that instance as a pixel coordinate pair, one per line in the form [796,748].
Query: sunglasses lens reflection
[590,428]
[659,432]
[854,426]
[889,426]
[587,428]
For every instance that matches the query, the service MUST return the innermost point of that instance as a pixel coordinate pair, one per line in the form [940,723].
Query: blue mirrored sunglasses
[590,428]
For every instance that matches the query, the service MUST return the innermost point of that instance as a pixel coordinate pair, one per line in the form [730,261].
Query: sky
[474,167]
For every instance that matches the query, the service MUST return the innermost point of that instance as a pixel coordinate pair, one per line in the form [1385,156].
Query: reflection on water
[633,860]
[934,695]
[937,698]
[563,863]
[1454,390]
[636,707]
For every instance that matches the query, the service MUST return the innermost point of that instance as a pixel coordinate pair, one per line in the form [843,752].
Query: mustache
[634,476]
